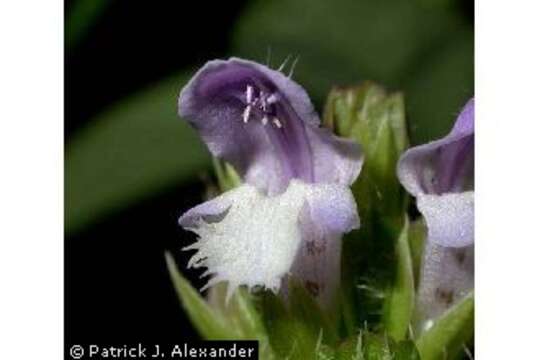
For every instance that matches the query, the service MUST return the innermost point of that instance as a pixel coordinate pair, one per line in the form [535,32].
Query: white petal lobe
[258,238]
[450,218]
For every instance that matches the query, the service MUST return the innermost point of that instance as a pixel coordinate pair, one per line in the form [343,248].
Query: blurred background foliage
[138,145]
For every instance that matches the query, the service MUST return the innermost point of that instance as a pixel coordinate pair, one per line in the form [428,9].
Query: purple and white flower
[289,215]
[440,175]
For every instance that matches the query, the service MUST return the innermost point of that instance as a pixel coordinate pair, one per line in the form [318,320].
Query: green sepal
[239,311]
[350,349]
[324,352]
[406,350]
[243,313]
[376,347]
[289,336]
[209,322]
[417,238]
[305,308]
[215,319]
[297,327]
[450,333]
[376,120]
[399,300]
[227,177]
[383,347]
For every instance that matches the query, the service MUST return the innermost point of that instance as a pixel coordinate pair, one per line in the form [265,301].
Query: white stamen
[272,99]
[262,100]
[277,122]
[247,112]
[293,66]
[282,66]
[249,94]
[264,120]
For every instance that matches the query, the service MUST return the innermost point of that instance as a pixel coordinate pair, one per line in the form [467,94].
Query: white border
[31,188]
[507,180]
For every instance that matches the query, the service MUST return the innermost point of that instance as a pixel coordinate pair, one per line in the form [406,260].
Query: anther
[272,99]
[277,122]
[264,120]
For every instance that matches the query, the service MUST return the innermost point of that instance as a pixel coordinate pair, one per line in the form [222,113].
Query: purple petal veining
[277,139]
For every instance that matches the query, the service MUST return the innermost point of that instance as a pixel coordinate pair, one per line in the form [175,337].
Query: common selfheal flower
[440,175]
[295,204]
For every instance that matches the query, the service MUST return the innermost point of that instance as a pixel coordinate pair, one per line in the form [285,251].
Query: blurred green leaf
[393,42]
[399,301]
[439,88]
[209,322]
[136,148]
[446,338]
[81,17]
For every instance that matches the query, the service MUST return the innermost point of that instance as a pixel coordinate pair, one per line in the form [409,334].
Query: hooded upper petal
[264,124]
[440,174]
[445,165]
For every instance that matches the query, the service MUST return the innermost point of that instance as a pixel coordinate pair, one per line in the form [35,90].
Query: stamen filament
[247,112]
[249,94]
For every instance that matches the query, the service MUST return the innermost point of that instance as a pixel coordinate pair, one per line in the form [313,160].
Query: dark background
[117,289]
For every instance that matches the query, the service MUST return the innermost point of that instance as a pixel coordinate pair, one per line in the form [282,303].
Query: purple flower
[289,215]
[440,175]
